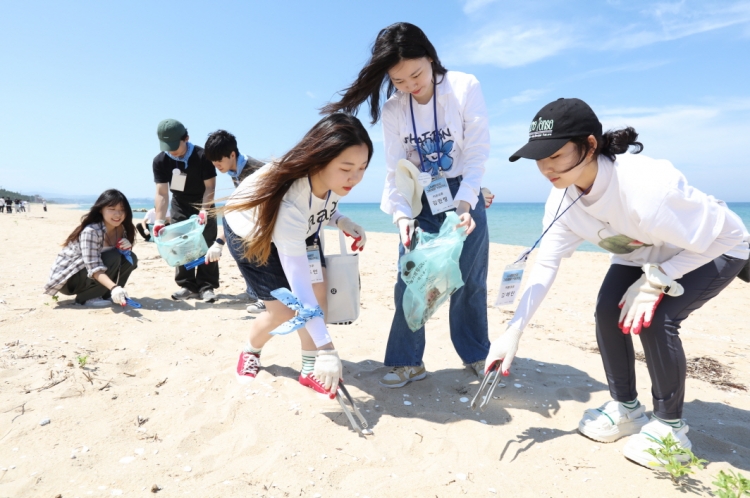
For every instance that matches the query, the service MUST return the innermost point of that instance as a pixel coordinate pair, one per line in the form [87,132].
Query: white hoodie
[642,210]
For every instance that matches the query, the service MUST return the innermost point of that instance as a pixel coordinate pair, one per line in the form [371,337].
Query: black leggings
[661,342]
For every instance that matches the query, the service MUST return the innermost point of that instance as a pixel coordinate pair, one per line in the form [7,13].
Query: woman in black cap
[673,249]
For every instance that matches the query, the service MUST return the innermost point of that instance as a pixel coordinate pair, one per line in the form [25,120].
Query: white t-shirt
[641,210]
[441,153]
[300,213]
[464,133]
[150,216]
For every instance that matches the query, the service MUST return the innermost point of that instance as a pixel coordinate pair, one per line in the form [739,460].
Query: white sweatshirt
[464,133]
[300,214]
[642,210]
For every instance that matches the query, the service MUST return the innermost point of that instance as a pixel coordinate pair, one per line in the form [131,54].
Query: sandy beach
[157,403]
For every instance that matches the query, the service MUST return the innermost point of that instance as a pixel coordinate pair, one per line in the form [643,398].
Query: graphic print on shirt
[321,216]
[435,153]
[618,243]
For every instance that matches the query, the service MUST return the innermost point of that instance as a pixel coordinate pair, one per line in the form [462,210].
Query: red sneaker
[248,367]
[310,381]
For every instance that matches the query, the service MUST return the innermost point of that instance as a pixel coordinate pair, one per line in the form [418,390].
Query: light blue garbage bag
[431,271]
[182,242]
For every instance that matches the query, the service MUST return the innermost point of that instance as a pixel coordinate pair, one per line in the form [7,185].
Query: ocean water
[509,223]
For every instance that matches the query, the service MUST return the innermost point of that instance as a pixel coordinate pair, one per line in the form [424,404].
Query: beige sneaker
[400,376]
[477,367]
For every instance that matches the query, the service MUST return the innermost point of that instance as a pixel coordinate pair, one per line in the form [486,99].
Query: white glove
[406,230]
[641,299]
[328,369]
[354,231]
[503,349]
[202,217]
[124,244]
[214,252]
[119,295]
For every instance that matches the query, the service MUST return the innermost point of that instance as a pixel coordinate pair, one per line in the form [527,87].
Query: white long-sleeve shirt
[300,214]
[464,133]
[641,210]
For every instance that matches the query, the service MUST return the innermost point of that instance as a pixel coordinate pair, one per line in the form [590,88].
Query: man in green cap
[182,168]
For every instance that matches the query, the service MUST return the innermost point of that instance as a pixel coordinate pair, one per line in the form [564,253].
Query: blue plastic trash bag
[431,271]
[182,242]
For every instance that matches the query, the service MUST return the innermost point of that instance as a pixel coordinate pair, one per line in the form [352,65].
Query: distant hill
[15,195]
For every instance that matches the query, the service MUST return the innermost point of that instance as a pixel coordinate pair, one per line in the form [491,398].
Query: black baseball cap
[555,124]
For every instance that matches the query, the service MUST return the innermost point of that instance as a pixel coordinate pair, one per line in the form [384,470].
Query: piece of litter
[518,385]
[187,468]
[483,421]
[44,421]
[407,403]
[463,399]
[538,370]
[492,490]
[461,477]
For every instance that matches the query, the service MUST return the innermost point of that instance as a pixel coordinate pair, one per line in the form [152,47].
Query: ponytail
[618,141]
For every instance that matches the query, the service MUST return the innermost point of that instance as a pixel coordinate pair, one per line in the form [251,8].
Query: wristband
[220,242]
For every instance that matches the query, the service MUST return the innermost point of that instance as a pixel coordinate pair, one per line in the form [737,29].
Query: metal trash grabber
[362,426]
[495,367]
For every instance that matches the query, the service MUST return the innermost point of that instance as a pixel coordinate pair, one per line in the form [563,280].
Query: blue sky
[84,84]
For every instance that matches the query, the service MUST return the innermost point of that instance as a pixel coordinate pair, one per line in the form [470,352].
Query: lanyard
[525,255]
[414,127]
[317,232]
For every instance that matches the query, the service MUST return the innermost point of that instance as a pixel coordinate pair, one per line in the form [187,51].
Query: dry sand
[171,366]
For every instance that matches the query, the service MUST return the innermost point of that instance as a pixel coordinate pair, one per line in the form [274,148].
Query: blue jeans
[468,305]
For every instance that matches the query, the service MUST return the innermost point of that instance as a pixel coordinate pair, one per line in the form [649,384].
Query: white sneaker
[612,421]
[635,448]
[98,302]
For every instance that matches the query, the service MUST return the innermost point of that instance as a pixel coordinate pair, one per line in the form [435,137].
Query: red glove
[158,227]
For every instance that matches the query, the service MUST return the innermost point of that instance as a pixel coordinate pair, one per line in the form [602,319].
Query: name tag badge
[313,261]
[439,196]
[178,180]
[510,284]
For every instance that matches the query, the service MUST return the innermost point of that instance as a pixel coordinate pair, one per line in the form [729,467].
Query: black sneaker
[184,293]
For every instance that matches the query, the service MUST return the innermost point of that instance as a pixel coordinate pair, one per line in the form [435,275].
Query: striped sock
[308,362]
[250,349]
[631,405]
[673,423]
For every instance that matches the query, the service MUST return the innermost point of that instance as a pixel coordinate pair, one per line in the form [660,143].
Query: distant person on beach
[8,205]
[221,149]
[437,120]
[272,223]
[149,219]
[182,169]
[97,260]
[673,248]
[44,205]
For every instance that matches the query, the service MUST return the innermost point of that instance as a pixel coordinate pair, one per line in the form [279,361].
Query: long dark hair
[396,42]
[321,145]
[109,198]
[610,144]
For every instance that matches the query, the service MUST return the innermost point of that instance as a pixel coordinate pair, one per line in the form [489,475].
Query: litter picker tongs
[495,367]
[342,393]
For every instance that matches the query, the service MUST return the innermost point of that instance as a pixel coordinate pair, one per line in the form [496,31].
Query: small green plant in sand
[731,485]
[55,298]
[82,361]
[667,455]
